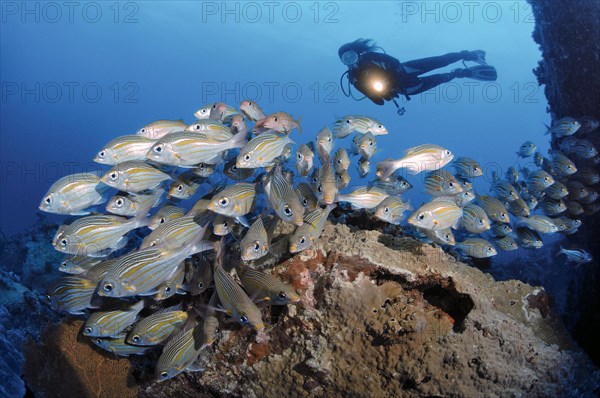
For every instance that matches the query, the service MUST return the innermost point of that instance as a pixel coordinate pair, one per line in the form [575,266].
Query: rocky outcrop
[387,316]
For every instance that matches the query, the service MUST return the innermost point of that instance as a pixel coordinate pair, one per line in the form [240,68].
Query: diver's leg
[423,65]
[428,82]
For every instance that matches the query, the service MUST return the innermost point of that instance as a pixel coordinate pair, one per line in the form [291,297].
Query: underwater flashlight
[378,86]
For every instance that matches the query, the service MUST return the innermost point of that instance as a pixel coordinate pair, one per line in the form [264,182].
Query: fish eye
[225,224]
[370,143]
[167,289]
[180,188]
[64,264]
[302,240]
[256,246]
[88,330]
[447,152]
[451,184]
[379,126]
[480,221]
[224,202]
[249,103]
[275,119]
[48,199]
[348,121]
[447,236]
[305,202]
[404,184]
[162,220]
[63,242]
[247,157]
[135,339]
[282,296]
[107,287]
[164,375]
[119,202]
[421,216]
[113,175]
[99,341]
[244,319]
[386,209]
[502,215]
[101,154]
[158,148]
[197,126]
[299,156]
[288,212]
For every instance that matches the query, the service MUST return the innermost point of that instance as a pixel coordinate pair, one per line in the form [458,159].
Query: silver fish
[563,127]
[501,229]
[282,122]
[124,148]
[307,197]
[467,168]
[426,157]
[180,353]
[553,207]
[435,215]
[185,186]
[440,236]
[72,194]
[76,265]
[341,161]
[255,244]
[506,243]
[519,208]
[231,170]
[539,223]
[505,191]
[252,110]
[262,150]
[342,179]
[539,180]
[474,219]
[442,183]
[528,238]
[391,209]
[166,213]
[364,166]
[527,149]
[395,185]
[576,256]
[557,190]
[72,294]
[360,124]
[367,146]
[493,208]
[203,170]
[174,233]
[157,328]
[160,128]
[324,144]
[112,323]
[134,176]
[134,204]
[477,247]
[306,235]
[327,186]
[283,199]
[118,346]
[363,197]
[304,160]
[265,287]
[234,201]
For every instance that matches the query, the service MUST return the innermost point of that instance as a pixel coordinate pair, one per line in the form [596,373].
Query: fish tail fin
[239,140]
[562,250]
[298,123]
[408,206]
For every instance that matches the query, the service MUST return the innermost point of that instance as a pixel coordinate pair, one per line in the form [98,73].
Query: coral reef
[383,321]
[67,366]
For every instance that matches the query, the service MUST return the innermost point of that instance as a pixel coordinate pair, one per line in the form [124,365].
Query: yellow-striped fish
[157,328]
[391,209]
[112,323]
[211,128]
[442,183]
[134,204]
[519,208]
[97,272]
[200,277]
[96,236]
[233,299]
[539,180]
[304,160]
[474,219]
[203,170]
[173,285]
[185,186]
[282,198]
[528,238]
[166,213]
[180,352]
[160,128]
[341,161]
[324,144]
[72,194]
[363,197]
[124,148]
[364,166]
[577,190]
[327,185]
[262,150]
[505,191]
[506,243]
[134,176]
[234,201]
[72,294]
[477,248]
[140,272]
[118,346]
[221,111]
[223,225]
[539,223]
[174,233]
[187,149]
[265,287]
[440,236]
[306,235]
[342,179]
[307,197]
[563,127]
[438,214]
[563,164]
[360,124]
[76,265]
[467,167]
[231,170]
[367,146]
[426,157]
[493,208]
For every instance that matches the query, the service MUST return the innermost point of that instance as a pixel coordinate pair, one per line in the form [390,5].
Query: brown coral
[64,365]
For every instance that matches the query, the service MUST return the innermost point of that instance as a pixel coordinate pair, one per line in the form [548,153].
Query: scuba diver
[381,77]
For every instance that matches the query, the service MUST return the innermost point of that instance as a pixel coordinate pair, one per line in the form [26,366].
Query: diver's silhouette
[381,77]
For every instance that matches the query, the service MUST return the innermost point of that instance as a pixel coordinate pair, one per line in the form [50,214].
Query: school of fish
[195,266]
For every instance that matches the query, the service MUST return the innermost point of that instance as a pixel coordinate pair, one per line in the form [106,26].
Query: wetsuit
[402,78]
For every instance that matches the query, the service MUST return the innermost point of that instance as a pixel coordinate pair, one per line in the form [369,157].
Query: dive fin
[483,73]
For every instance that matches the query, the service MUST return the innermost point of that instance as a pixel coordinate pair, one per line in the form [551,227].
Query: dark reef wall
[568,32]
